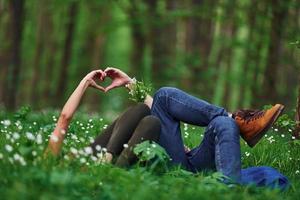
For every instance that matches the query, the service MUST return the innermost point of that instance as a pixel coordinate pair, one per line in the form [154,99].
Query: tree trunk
[63,76]
[200,30]
[40,33]
[279,15]
[137,23]
[297,128]
[162,42]
[13,75]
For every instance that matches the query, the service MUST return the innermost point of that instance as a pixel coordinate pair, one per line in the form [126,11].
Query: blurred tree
[279,15]
[199,38]
[65,61]
[16,10]
[40,37]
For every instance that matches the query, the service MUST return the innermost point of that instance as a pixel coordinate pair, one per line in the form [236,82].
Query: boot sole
[259,135]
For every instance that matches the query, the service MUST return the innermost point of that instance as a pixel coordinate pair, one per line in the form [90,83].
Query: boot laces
[250,115]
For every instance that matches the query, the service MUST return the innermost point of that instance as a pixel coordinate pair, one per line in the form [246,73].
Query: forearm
[65,117]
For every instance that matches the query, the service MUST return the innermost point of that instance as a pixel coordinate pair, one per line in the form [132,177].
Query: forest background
[234,53]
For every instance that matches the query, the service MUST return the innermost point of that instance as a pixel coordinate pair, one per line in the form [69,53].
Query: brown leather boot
[254,124]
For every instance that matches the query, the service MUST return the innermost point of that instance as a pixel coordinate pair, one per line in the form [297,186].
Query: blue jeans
[220,147]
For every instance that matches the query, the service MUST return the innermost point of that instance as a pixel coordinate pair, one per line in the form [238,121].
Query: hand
[91,78]
[118,77]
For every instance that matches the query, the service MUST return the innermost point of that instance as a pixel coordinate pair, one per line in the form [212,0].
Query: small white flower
[88,150]
[98,147]
[6,122]
[34,153]
[92,140]
[54,138]
[293,137]
[297,172]
[66,157]
[125,145]
[90,120]
[101,119]
[275,129]
[34,123]
[8,148]
[82,160]
[73,150]
[104,149]
[16,135]
[153,145]
[30,136]
[247,154]
[39,139]
[282,135]
[17,156]
[74,137]
[290,130]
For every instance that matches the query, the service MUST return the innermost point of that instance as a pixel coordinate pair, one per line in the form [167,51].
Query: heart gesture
[118,77]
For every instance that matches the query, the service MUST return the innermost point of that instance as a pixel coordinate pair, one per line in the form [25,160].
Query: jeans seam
[194,109]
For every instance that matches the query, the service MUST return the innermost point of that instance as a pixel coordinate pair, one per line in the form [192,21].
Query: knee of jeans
[163,92]
[227,125]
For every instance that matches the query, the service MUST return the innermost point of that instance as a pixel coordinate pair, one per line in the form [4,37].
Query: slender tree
[65,61]
[16,8]
[278,22]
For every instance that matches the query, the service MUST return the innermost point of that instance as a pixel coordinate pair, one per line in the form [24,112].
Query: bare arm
[69,109]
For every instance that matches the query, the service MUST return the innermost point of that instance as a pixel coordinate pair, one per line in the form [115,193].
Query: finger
[96,86]
[110,87]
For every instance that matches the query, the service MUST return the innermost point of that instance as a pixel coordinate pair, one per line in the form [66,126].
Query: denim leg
[171,106]
[220,148]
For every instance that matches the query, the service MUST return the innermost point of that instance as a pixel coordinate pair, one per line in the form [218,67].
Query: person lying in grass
[158,119]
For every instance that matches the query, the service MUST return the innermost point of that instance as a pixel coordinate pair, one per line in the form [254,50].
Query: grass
[25,174]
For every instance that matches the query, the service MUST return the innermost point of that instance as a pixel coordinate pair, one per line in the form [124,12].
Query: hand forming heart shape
[118,77]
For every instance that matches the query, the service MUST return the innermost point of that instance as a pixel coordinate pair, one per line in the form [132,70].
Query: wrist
[130,85]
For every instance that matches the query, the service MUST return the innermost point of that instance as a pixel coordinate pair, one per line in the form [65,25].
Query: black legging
[132,127]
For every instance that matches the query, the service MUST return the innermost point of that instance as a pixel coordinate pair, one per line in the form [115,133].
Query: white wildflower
[125,145]
[34,153]
[82,160]
[98,147]
[275,129]
[153,145]
[6,122]
[16,135]
[17,156]
[54,138]
[297,172]
[73,150]
[247,154]
[39,139]
[293,137]
[30,136]
[66,157]
[8,148]
[290,130]
[282,135]
[88,150]
[90,120]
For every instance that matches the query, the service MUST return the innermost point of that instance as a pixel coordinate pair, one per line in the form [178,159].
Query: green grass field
[26,174]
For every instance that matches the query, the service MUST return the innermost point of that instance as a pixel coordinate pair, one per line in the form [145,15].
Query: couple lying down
[158,119]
